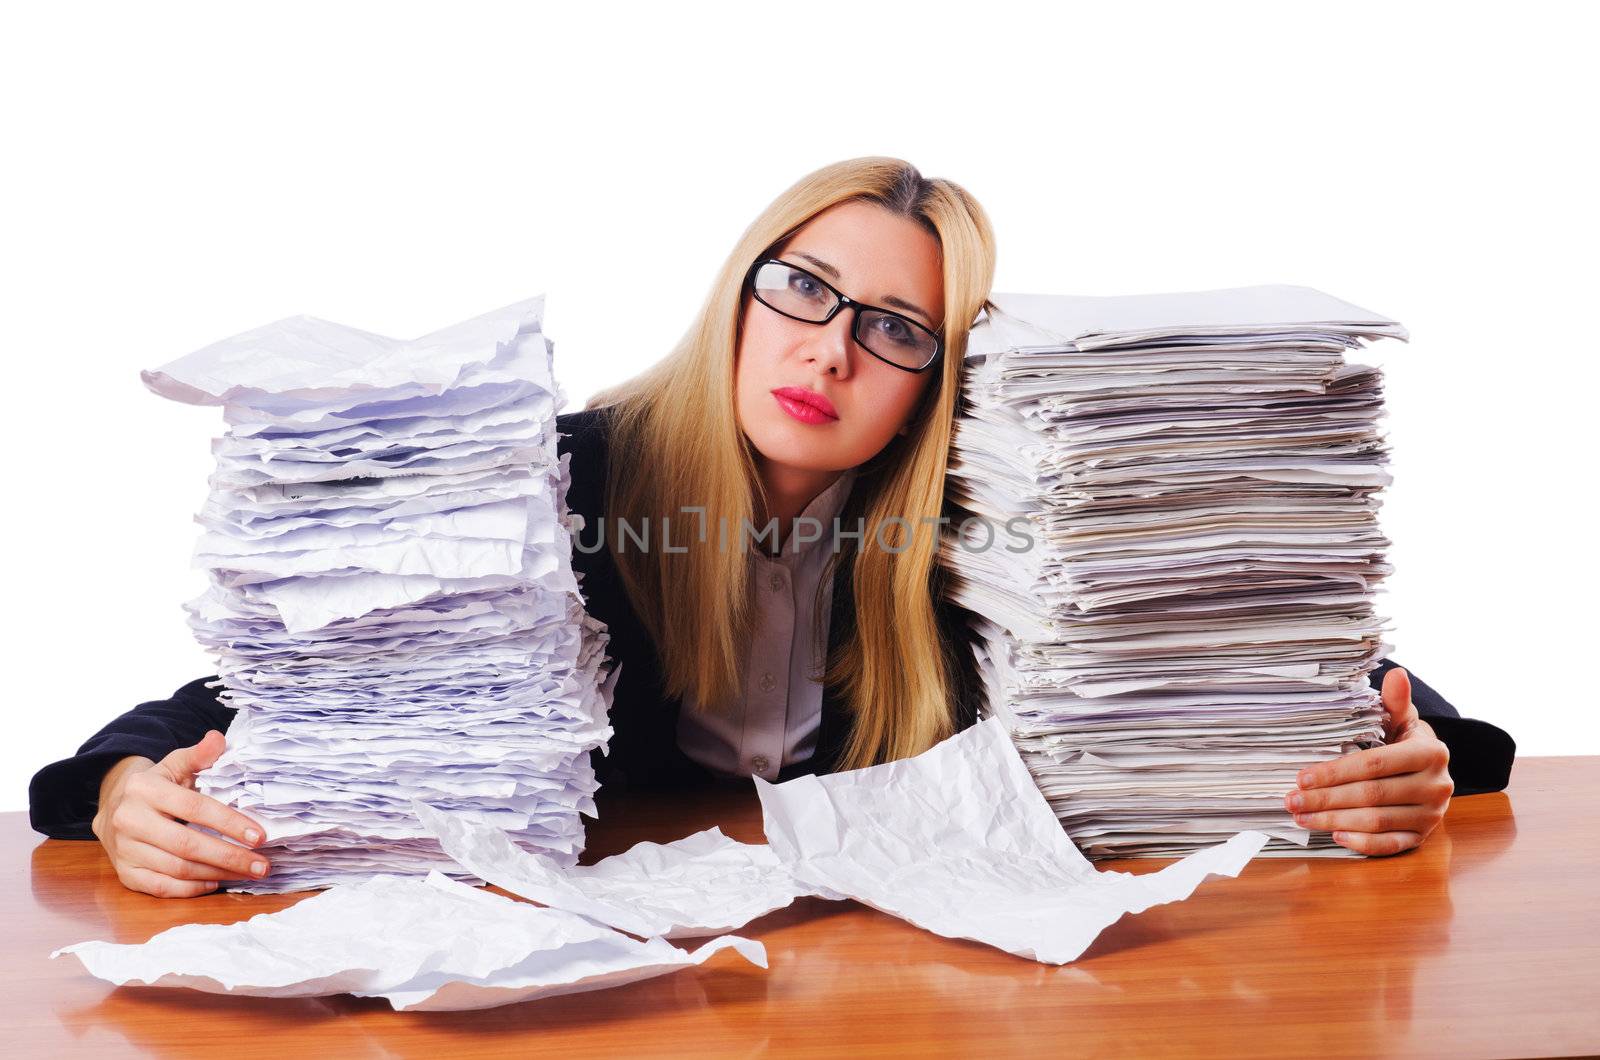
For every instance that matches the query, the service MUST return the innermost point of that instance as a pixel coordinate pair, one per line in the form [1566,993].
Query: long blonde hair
[676,442]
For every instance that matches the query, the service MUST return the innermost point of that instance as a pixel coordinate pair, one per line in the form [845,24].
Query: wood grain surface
[1486,941]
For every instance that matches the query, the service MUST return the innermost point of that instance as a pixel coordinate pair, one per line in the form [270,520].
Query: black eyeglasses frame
[844,300]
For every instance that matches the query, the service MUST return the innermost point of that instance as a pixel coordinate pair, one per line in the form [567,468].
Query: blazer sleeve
[1480,753]
[64,796]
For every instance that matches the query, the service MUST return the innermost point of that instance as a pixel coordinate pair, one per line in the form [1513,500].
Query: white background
[177,174]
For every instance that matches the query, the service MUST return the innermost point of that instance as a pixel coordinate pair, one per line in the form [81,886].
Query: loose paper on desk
[703,884]
[422,944]
[958,840]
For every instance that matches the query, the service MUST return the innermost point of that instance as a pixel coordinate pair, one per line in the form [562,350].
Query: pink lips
[807,406]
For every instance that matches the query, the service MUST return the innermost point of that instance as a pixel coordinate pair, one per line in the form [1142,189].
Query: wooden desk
[1484,942]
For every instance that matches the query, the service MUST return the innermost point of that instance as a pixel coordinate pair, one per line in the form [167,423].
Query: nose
[833,344]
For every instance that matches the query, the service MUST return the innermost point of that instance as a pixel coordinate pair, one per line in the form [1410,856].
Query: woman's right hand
[140,822]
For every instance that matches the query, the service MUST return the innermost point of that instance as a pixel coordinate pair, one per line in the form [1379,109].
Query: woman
[819,380]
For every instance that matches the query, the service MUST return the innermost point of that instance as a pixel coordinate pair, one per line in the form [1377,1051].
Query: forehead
[879,255]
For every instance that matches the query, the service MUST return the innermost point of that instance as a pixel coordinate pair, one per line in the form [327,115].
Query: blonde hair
[894,672]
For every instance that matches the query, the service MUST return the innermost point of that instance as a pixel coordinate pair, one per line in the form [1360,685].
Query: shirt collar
[823,508]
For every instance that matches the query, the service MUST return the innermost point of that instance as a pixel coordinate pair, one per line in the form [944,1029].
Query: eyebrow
[898,303]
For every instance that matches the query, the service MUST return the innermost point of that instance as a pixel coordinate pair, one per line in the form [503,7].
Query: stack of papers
[1172,546]
[956,840]
[392,600]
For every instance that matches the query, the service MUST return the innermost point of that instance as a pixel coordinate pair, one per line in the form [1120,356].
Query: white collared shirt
[781,709]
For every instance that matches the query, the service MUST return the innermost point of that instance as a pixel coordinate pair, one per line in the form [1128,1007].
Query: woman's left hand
[1381,800]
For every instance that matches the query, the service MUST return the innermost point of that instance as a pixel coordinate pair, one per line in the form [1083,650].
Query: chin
[803,448]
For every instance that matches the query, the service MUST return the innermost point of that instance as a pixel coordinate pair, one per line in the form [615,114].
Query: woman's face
[875,257]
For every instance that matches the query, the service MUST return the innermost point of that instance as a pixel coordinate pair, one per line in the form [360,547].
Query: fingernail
[1340,837]
[252,836]
[258,867]
[211,886]
[1300,819]
[1296,802]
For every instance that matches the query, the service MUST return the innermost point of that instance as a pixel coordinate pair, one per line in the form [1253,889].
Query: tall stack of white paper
[1181,614]
[392,599]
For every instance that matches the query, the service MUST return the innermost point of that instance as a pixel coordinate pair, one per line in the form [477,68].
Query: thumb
[1397,700]
[185,762]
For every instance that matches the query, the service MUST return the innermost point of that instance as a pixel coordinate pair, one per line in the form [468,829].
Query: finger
[189,805]
[1410,818]
[190,844]
[151,882]
[1379,844]
[1403,729]
[1386,761]
[181,765]
[142,855]
[1397,706]
[1404,790]
[1419,731]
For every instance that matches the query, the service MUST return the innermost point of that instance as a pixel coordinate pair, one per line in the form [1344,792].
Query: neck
[788,491]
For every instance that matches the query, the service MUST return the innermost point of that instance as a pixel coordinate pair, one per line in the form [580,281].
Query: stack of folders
[1171,544]
[392,601]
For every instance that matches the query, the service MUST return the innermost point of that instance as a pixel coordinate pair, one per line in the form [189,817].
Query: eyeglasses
[800,295]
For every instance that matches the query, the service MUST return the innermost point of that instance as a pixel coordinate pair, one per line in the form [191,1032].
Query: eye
[896,330]
[806,286]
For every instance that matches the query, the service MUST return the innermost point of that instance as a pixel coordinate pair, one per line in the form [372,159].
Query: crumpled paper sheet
[422,944]
[959,840]
[305,359]
[703,884]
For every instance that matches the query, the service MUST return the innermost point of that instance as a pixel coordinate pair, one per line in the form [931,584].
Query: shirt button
[776,580]
[759,763]
[768,682]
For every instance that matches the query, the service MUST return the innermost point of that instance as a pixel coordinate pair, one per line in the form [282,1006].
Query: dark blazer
[644,748]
